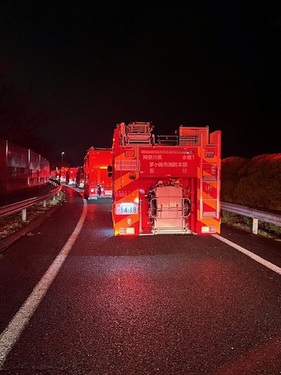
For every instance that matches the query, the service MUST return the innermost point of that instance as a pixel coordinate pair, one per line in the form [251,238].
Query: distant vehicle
[168,185]
[54,174]
[62,174]
[97,183]
[71,176]
[80,178]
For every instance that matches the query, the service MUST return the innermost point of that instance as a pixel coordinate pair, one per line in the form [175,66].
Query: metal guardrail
[22,206]
[256,215]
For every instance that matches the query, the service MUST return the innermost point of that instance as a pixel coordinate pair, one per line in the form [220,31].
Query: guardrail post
[255,226]
[23,205]
[23,214]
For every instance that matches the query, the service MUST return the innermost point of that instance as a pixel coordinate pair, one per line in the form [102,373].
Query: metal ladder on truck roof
[139,132]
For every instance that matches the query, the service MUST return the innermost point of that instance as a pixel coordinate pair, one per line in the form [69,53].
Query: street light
[61,161]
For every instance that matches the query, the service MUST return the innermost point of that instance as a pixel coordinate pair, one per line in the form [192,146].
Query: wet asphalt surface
[164,304]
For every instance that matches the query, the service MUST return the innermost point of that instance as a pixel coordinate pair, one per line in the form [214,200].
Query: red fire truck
[71,173]
[166,185]
[80,177]
[97,183]
[62,174]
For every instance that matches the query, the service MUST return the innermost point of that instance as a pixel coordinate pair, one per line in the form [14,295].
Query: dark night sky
[192,63]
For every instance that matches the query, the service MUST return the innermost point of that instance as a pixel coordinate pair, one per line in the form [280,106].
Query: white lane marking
[12,332]
[257,258]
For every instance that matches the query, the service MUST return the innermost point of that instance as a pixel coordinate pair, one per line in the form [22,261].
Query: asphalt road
[76,300]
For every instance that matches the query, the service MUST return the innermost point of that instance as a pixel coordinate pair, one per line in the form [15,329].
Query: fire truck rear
[166,185]
[97,184]
[71,175]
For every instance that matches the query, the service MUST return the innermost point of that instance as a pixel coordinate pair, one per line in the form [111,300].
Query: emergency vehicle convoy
[166,185]
[97,183]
